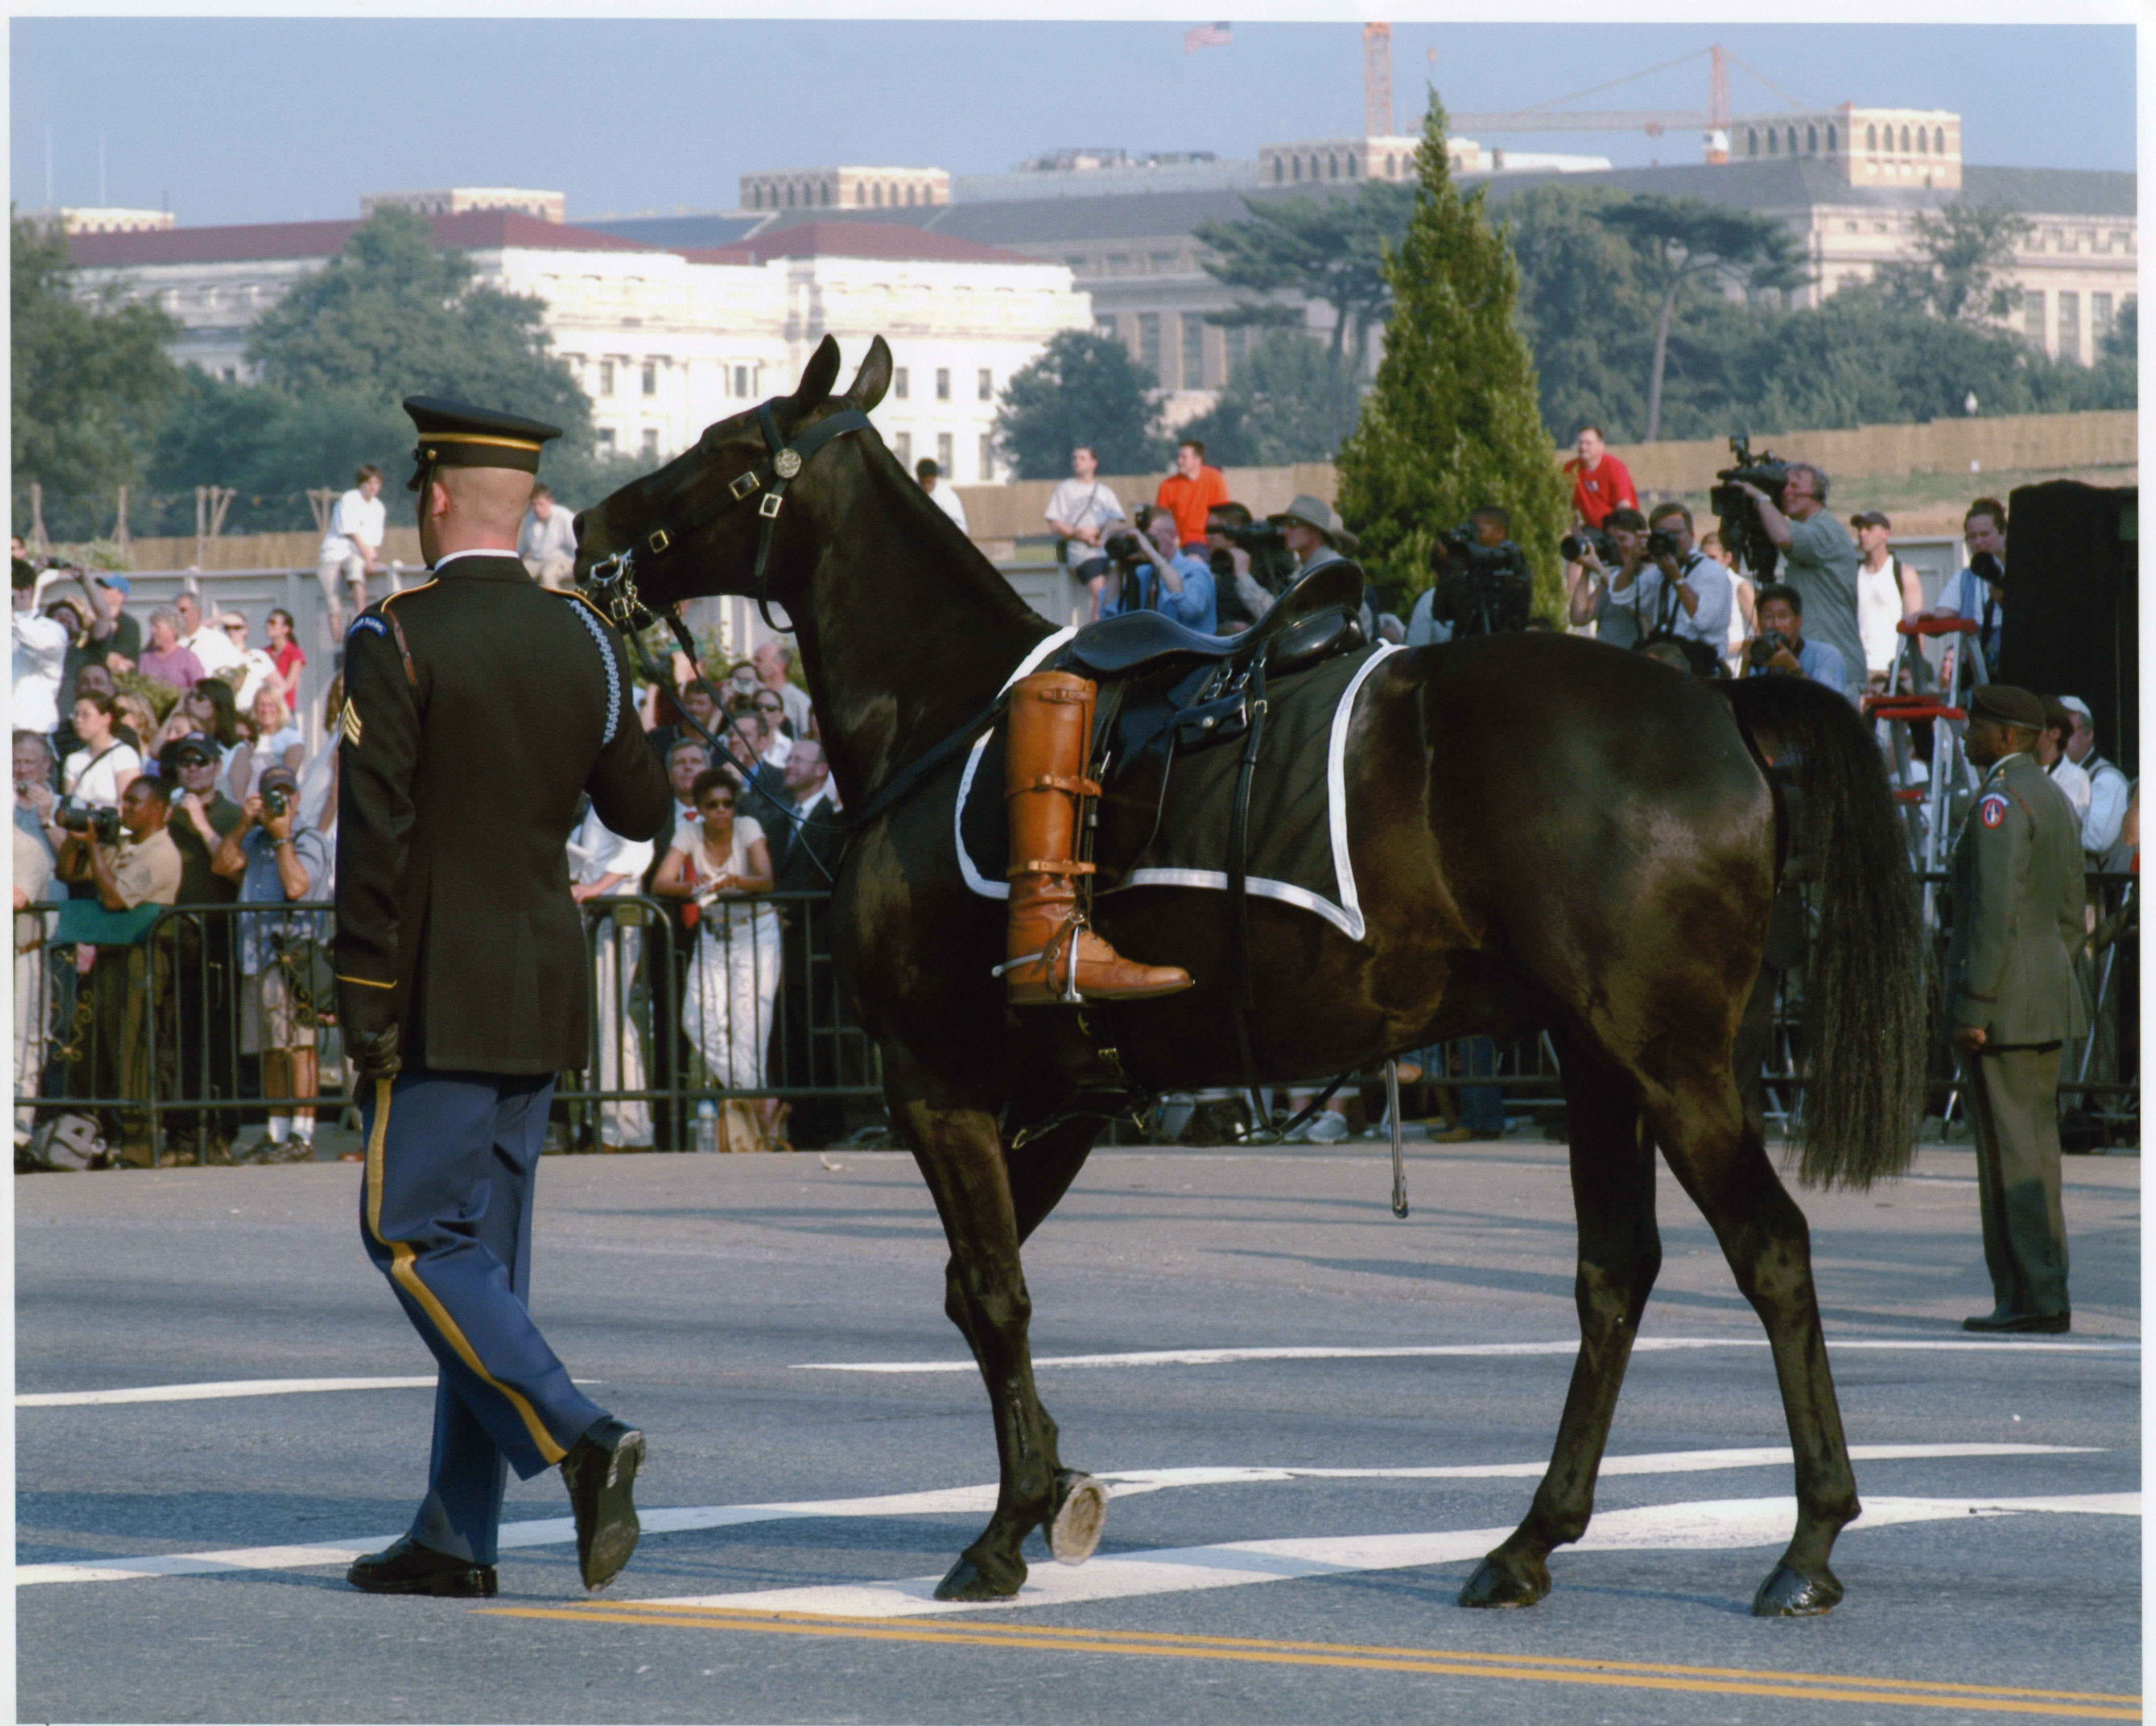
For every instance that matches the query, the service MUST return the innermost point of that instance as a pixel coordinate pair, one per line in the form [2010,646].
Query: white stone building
[665,342]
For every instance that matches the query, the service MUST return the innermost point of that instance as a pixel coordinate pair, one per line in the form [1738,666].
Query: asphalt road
[1292,1523]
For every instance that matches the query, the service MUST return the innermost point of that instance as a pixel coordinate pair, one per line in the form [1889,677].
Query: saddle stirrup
[1054,954]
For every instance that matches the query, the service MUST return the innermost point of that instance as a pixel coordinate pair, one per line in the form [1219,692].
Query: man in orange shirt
[1190,493]
[1599,482]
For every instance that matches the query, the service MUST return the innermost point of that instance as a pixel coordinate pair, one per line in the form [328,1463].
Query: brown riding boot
[1051,724]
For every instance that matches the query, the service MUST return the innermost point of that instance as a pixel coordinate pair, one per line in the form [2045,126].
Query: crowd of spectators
[170,767]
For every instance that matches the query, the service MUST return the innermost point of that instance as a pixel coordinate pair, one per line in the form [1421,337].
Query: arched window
[1773,142]
[756,198]
[1939,141]
[879,195]
[1280,170]
[1350,168]
[1392,168]
[1811,140]
[1298,168]
[1751,142]
[1923,142]
[1793,141]
[1871,137]
[789,197]
[1830,138]
[1905,140]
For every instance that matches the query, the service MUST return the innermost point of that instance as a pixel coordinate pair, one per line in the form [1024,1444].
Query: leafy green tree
[89,384]
[1687,243]
[1084,388]
[391,316]
[1451,422]
[1303,250]
[1274,411]
[1961,252]
[1582,310]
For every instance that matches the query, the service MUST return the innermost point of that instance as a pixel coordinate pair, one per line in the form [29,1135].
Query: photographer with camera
[1822,562]
[277,862]
[129,859]
[1977,591]
[1250,562]
[1780,648]
[1483,586]
[1676,593]
[1151,575]
[1596,559]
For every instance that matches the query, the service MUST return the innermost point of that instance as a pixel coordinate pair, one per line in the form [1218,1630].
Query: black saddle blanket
[1298,824]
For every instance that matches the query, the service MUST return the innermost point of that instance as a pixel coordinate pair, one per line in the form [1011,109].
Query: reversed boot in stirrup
[1052,954]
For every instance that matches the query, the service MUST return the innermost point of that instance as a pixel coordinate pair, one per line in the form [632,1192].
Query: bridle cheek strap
[611,575]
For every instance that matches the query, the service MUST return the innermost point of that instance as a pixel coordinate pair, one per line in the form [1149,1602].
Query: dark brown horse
[1548,834]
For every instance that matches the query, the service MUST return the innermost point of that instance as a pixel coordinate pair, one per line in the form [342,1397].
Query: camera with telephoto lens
[1741,531]
[1765,645]
[1481,590]
[1663,543]
[1599,540]
[99,820]
[1129,547]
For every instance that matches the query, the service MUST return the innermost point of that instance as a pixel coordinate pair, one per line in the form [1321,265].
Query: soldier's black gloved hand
[373,1052]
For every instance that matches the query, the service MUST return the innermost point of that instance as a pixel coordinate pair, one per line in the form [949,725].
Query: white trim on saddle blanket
[1344,912]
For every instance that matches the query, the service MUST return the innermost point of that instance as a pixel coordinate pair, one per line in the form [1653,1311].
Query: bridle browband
[611,580]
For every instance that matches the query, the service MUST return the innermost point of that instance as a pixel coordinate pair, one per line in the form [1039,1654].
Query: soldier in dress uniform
[2012,1000]
[480,709]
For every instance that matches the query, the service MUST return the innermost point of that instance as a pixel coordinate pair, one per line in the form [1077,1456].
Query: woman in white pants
[733,969]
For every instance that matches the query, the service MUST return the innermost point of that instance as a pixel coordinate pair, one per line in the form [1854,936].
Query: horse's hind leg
[961,1156]
[1620,1252]
[1721,1164]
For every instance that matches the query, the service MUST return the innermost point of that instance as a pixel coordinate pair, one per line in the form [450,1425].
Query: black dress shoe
[600,1472]
[409,1568]
[2001,1322]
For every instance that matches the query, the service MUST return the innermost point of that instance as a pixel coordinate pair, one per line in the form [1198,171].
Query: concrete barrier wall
[1000,514]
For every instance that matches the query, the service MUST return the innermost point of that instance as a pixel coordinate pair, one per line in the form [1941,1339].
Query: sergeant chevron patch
[348,722]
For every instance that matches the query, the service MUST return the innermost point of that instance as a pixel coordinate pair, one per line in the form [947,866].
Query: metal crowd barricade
[149,1039]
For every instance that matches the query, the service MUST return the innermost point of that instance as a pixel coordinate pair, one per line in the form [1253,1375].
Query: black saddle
[1319,616]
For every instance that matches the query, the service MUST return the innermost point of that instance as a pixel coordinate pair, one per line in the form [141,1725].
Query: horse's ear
[873,378]
[821,373]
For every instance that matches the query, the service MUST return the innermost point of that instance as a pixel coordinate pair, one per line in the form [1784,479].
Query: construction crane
[1378,81]
[1549,117]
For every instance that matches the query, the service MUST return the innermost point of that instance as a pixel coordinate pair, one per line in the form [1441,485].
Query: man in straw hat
[2012,998]
[481,707]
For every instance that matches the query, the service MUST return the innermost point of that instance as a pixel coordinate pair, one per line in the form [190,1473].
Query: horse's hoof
[1791,1594]
[1081,1507]
[975,1577]
[1515,1582]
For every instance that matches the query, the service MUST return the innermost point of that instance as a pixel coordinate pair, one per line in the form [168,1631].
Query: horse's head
[706,521]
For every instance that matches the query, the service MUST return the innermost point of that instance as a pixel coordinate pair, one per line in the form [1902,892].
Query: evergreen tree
[1084,388]
[1452,422]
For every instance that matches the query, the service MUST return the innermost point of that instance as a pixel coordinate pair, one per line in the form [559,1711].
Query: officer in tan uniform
[2012,1000]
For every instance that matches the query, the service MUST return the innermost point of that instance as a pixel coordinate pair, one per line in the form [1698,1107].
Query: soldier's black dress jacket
[478,708]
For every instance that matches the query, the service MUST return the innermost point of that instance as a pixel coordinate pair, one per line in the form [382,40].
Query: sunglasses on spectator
[712,805]
[770,706]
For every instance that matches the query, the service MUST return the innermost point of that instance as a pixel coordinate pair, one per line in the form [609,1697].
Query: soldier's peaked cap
[2006,705]
[457,434]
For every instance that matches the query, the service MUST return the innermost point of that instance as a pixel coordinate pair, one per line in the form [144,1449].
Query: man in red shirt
[1190,493]
[1599,483]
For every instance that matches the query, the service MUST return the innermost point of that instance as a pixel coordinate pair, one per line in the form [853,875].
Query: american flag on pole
[1206,36]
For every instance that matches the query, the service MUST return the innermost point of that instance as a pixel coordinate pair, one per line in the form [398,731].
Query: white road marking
[975,1501]
[1714,1524]
[1644,1345]
[210,1392]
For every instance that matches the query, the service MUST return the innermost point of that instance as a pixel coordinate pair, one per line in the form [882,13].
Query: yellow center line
[1555,1669]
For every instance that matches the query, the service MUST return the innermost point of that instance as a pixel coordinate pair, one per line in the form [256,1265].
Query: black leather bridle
[611,581]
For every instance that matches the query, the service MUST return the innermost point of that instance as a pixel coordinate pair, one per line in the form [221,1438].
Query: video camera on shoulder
[1741,530]
[1481,590]
[99,820]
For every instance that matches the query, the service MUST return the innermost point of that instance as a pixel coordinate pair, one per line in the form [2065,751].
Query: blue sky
[237,120]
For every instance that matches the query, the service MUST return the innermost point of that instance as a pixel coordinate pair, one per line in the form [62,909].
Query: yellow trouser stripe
[406,1276]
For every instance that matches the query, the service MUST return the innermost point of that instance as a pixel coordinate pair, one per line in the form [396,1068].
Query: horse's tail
[1866,995]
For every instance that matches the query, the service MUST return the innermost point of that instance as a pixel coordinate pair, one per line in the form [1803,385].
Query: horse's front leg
[961,1156]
